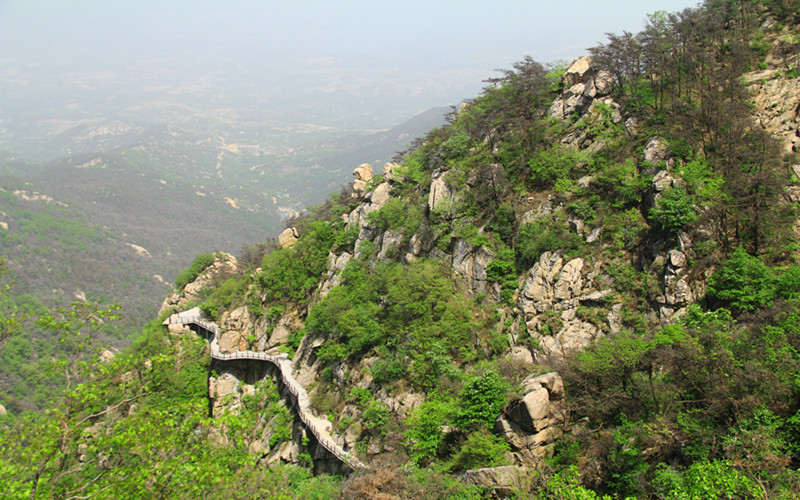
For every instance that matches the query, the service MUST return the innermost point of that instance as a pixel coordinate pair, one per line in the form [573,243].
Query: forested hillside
[586,285]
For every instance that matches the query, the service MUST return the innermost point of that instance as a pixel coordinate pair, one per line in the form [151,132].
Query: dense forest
[612,244]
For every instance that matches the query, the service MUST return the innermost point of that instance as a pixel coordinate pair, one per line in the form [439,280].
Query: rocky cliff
[558,305]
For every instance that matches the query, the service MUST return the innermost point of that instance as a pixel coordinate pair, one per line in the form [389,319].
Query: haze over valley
[201,126]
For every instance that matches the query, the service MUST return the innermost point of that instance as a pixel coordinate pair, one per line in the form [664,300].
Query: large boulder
[288,237]
[549,299]
[533,423]
[578,71]
[441,197]
[363,176]
[584,84]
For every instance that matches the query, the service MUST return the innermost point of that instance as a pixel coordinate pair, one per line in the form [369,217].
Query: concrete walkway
[319,427]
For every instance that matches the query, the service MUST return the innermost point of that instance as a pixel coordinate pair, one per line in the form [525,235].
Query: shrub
[200,263]
[293,273]
[674,210]
[502,270]
[397,214]
[376,417]
[222,297]
[481,400]
[503,222]
[555,164]
[743,283]
[482,449]
[545,235]
[424,434]
[621,184]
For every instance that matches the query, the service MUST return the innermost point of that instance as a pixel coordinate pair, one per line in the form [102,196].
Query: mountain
[584,286]
[165,192]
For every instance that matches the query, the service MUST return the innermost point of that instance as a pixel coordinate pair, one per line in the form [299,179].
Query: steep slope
[594,219]
[585,285]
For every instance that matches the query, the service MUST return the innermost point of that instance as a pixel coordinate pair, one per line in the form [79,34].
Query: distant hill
[172,193]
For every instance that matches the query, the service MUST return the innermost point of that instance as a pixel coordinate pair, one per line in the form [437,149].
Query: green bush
[625,229]
[502,269]
[424,433]
[743,283]
[293,273]
[620,184]
[674,210]
[222,297]
[482,449]
[200,263]
[480,401]
[401,310]
[503,222]
[376,417]
[398,214]
[558,163]
[545,235]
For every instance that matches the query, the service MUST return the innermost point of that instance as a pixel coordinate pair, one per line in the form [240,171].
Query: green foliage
[376,417]
[200,263]
[345,240]
[565,485]
[398,214]
[620,184]
[625,229]
[374,414]
[424,430]
[503,222]
[223,296]
[717,478]
[558,163]
[502,269]
[292,273]
[482,449]
[388,370]
[402,310]
[614,360]
[674,210]
[702,181]
[10,317]
[455,147]
[480,401]
[544,235]
[743,282]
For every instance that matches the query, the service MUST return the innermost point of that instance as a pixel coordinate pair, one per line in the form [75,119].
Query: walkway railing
[313,423]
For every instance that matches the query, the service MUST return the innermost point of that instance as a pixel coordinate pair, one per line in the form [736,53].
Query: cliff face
[585,284]
[557,306]
[438,304]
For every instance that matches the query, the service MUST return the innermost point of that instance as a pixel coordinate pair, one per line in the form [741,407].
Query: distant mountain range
[130,205]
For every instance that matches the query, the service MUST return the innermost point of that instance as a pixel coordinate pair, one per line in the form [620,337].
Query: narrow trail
[319,427]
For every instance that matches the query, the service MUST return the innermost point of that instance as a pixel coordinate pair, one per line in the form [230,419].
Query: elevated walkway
[319,427]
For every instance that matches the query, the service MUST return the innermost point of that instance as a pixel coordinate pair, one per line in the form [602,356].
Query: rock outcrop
[288,237]
[224,265]
[549,300]
[363,176]
[533,423]
[584,84]
[501,482]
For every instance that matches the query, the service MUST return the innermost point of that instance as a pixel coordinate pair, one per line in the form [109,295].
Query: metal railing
[284,365]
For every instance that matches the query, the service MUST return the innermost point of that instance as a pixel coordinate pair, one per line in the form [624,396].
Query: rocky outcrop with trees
[586,284]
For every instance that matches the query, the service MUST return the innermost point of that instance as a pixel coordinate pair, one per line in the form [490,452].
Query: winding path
[318,426]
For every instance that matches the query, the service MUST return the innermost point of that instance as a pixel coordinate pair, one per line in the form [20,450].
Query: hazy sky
[442,47]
